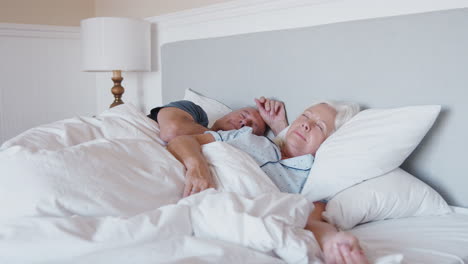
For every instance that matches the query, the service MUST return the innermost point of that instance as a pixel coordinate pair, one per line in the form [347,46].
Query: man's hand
[273,113]
[198,178]
[343,248]
[187,149]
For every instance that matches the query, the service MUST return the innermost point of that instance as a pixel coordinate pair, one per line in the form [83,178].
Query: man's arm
[338,247]
[273,113]
[175,122]
[187,149]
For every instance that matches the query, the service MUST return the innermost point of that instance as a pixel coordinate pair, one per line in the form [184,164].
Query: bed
[104,189]
[380,63]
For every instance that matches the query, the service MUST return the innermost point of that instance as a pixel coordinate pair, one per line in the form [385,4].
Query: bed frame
[386,62]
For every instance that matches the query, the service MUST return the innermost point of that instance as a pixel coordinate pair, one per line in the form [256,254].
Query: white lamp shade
[114,43]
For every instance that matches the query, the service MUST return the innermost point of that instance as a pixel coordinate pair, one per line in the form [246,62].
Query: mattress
[435,239]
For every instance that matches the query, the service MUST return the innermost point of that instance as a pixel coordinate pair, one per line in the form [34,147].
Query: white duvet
[105,190]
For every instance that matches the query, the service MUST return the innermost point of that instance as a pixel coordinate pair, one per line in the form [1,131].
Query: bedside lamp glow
[114,44]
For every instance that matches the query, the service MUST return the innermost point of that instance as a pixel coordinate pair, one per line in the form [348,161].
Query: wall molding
[228,10]
[246,16]
[39,31]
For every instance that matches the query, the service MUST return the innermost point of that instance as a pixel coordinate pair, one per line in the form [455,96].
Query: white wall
[40,65]
[46,12]
[146,8]
[246,16]
[70,12]
[41,77]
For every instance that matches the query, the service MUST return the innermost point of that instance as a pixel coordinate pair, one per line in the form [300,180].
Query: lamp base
[117,89]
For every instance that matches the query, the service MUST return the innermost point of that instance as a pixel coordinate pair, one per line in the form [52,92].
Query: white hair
[344,112]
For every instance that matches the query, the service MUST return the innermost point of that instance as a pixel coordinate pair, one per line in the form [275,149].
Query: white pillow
[396,194]
[371,144]
[213,108]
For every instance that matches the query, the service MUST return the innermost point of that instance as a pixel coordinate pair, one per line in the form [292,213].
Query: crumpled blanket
[105,190]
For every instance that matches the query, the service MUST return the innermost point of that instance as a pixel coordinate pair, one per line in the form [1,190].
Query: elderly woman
[287,164]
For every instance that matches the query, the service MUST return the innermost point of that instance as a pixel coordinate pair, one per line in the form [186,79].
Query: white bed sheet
[222,227]
[187,232]
[425,240]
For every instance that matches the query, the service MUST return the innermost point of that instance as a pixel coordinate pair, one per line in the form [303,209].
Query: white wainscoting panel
[41,77]
[247,16]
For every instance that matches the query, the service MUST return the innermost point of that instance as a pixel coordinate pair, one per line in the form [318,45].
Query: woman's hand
[343,248]
[198,178]
[273,113]
[338,247]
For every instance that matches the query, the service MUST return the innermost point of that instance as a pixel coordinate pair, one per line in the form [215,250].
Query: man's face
[243,117]
[310,130]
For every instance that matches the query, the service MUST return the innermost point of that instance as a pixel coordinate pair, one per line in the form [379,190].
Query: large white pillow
[371,144]
[396,194]
[214,109]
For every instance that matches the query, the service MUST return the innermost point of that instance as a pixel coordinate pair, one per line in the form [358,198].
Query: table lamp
[115,44]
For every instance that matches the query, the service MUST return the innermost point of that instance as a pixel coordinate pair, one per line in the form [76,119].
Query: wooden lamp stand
[101,48]
[117,89]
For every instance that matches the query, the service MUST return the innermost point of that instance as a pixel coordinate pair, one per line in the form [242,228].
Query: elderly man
[186,118]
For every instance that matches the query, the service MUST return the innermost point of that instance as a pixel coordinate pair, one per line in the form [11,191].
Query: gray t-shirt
[197,113]
[289,175]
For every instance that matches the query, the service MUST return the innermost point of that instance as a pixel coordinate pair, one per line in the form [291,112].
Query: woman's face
[309,130]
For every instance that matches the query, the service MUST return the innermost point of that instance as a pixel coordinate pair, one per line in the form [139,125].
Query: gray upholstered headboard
[386,62]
